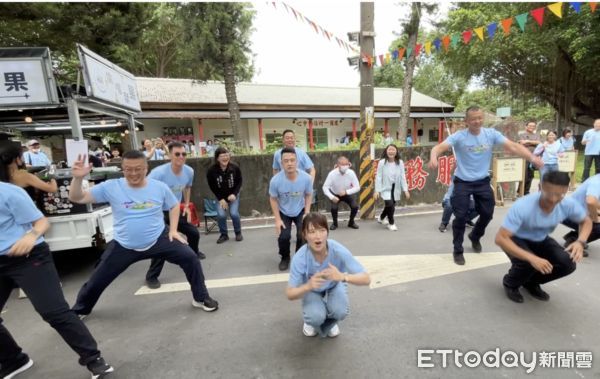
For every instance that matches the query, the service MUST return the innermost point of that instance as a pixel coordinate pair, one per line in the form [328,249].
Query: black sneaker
[99,368]
[333,227]
[201,255]
[153,283]
[443,227]
[208,305]
[284,264]
[476,245]
[12,369]
[459,259]
[536,291]
[223,238]
[353,225]
[513,294]
[239,237]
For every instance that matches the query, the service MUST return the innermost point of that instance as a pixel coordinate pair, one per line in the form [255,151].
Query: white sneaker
[334,332]
[383,222]
[309,330]
[392,227]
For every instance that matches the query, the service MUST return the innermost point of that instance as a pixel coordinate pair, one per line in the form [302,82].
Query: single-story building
[183,109]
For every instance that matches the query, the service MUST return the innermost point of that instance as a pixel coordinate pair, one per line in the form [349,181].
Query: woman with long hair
[390,179]
[549,151]
[12,170]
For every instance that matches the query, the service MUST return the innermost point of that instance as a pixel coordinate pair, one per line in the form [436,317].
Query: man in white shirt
[340,186]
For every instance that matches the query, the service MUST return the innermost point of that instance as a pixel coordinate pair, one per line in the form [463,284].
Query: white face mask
[36,150]
[343,169]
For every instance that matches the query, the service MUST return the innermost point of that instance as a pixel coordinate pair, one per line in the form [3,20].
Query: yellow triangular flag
[428,47]
[556,8]
[479,32]
[388,58]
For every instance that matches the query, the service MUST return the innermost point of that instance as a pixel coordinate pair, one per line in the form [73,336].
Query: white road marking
[385,270]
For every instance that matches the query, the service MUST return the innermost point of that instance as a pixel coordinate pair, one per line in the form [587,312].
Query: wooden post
[311,142]
[260,134]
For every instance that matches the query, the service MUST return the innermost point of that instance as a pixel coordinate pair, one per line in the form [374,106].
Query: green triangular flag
[455,40]
[522,20]
[408,52]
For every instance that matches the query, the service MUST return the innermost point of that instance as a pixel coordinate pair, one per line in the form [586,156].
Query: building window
[272,137]
[433,135]
[319,138]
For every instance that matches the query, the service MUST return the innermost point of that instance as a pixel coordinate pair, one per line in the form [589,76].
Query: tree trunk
[232,103]
[413,32]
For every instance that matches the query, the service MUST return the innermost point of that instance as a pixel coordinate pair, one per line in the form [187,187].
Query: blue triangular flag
[437,43]
[492,29]
[576,6]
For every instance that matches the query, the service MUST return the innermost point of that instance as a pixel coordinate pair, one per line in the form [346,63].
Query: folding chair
[210,214]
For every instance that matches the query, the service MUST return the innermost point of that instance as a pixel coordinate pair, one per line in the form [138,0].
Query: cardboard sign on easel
[567,162]
[507,170]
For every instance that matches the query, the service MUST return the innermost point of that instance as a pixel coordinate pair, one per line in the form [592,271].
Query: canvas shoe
[309,330]
[334,331]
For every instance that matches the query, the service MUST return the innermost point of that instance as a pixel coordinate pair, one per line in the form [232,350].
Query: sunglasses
[180,154]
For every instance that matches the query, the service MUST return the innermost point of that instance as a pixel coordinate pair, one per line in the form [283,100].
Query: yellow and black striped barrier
[367,173]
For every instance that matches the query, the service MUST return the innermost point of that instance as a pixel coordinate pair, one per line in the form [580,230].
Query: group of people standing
[150,212]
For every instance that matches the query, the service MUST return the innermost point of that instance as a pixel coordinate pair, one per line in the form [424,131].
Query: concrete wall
[257,173]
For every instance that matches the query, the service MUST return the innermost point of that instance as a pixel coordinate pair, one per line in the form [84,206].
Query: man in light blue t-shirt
[304,163]
[591,141]
[179,177]
[588,196]
[524,236]
[137,203]
[35,157]
[290,195]
[473,151]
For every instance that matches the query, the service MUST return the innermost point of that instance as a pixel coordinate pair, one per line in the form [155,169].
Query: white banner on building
[108,82]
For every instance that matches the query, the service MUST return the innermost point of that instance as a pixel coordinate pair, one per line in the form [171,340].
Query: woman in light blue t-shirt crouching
[319,274]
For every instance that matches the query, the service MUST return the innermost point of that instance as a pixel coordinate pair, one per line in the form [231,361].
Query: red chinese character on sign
[445,166]
[415,175]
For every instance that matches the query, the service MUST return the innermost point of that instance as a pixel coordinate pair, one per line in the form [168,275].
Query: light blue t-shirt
[158,155]
[549,153]
[304,161]
[17,213]
[592,147]
[591,187]
[138,212]
[526,220]
[567,143]
[304,265]
[36,159]
[177,183]
[290,195]
[474,153]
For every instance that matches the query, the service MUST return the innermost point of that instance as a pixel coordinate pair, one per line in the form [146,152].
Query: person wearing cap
[35,157]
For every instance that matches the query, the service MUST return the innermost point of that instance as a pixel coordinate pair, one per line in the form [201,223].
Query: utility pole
[367,110]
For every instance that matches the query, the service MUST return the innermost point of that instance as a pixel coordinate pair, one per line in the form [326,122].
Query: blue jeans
[448,211]
[323,310]
[548,168]
[234,212]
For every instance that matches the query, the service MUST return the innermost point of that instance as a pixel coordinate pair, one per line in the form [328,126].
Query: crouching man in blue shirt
[524,236]
[319,275]
[137,203]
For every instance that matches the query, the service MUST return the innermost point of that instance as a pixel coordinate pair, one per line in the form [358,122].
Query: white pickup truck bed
[79,231]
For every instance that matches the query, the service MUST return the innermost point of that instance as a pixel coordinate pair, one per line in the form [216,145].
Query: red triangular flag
[401,53]
[593,6]
[467,36]
[418,49]
[538,15]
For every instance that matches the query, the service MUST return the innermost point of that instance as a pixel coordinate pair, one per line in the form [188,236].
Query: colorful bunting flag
[506,23]
[418,49]
[446,42]
[556,8]
[395,55]
[387,58]
[455,39]
[522,20]
[593,6]
[479,32]
[428,48]
[401,53]
[576,6]
[491,29]
[538,15]
[467,36]
[408,52]
[437,43]
[381,59]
